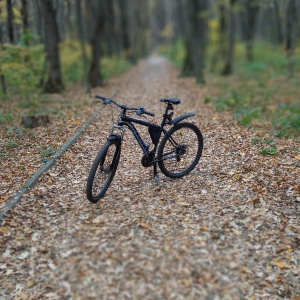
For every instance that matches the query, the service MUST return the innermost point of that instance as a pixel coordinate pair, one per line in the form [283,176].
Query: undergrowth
[262,93]
[24,69]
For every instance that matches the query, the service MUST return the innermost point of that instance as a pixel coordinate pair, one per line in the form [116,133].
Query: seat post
[165,115]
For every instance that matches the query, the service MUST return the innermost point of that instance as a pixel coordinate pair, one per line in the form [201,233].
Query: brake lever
[140,111]
[106,101]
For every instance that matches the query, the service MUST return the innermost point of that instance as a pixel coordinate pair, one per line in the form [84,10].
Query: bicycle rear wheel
[103,170]
[180,150]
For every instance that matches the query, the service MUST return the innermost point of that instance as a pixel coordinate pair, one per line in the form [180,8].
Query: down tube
[136,134]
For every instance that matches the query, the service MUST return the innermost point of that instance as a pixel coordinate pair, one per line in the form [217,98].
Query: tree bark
[291,23]
[82,38]
[25,23]
[54,83]
[291,33]
[10,21]
[228,67]
[94,77]
[252,8]
[188,65]
[278,23]
[1,29]
[200,39]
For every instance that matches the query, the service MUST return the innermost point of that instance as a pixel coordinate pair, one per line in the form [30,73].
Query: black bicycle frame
[127,121]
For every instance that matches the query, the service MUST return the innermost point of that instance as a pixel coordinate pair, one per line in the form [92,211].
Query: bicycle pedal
[156,178]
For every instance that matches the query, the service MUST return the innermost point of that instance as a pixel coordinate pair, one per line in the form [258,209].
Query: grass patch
[47,153]
[269,151]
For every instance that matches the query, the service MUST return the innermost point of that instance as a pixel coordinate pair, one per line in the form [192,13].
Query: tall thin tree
[25,23]
[228,67]
[82,38]
[291,32]
[96,10]
[10,21]
[54,83]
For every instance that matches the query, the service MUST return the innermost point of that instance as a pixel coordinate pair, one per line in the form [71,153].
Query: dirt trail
[229,230]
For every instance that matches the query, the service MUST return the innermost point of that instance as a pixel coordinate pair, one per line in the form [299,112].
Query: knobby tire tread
[102,154]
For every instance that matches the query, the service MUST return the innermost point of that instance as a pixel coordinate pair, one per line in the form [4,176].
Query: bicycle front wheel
[180,150]
[103,170]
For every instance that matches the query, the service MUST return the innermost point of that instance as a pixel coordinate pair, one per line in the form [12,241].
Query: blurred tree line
[134,28]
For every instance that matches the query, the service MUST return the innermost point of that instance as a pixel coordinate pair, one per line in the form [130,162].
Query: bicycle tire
[108,160]
[184,156]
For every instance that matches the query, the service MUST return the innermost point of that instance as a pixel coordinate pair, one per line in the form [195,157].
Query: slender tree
[291,32]
[96,11]
[228,67]
[199,29]
[54,83]
[250,16]
[82,38]
[1,25]
[10,21]
[25,23]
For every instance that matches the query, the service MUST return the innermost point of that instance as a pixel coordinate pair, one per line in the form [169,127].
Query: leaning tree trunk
[54,83]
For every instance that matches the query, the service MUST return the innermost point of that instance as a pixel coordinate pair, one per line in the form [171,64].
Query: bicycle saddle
[170,100]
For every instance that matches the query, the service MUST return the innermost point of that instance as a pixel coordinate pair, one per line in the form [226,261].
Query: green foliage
[261,91]
[113,66]
[5,117]
[287,121]
[47,153]
[175,52]
[269,151]
[24,69]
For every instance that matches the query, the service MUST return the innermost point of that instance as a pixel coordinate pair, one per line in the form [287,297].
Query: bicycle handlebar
[139,111]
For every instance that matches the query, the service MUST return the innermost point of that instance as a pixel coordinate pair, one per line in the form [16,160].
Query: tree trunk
[3,82]
[94,77]
[228,68]
[291,23]
[82,38]
[10,21]
[24,12]
[221,50]
[188,66]
[291,32]
[252,8]
[278,23]
[54,82]
[200,38]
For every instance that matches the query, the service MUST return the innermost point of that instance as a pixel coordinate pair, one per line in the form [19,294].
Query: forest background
[245,53]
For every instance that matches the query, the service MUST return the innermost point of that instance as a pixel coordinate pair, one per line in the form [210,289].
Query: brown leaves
[229,230]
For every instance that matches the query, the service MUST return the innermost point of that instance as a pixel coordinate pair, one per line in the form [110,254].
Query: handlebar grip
[100,97]
[104,99]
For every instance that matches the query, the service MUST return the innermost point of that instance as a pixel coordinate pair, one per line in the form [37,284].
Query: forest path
[230,229]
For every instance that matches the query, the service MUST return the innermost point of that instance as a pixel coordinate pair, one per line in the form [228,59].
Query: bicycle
[176,154]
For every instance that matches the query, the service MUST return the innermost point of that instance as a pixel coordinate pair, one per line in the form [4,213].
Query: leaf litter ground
[229,230]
